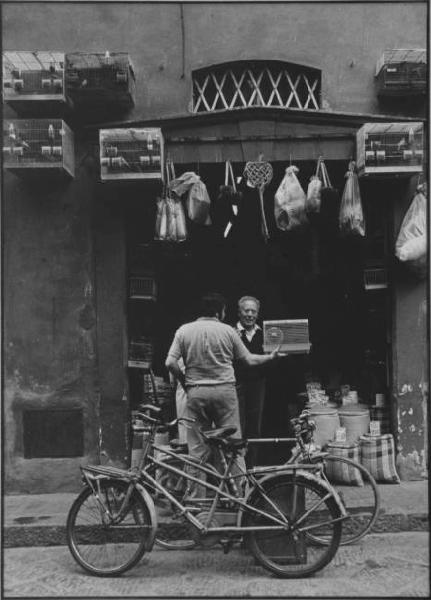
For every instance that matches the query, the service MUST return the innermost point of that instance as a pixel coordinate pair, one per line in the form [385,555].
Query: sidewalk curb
[55,535]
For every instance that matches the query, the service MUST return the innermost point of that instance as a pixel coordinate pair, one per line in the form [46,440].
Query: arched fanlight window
[243,84]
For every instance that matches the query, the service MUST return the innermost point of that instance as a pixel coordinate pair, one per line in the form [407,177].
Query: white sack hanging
[289,206]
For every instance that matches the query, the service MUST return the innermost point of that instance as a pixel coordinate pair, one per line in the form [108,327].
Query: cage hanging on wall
[34,81]
[130,154]
[142,288]
[289,335]
[375,278]
[100,80]
[402,72]
[390,148]
[38,146]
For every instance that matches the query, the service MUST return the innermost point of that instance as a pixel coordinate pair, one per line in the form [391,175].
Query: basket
[356,420]
[327,422]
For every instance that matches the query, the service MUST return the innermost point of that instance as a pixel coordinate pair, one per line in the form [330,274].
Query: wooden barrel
[327,421]
[356,420]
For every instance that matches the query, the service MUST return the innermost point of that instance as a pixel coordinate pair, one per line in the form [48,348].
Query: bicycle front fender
[152,513]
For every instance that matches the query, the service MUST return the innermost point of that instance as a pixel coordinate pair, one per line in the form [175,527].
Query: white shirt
[249,333]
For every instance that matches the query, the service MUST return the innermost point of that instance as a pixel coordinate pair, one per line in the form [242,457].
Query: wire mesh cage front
[402,72]
[287,335]
[375,278]
[91,77]
[142,288]
[38,144]
[390,148]
[33,76]
[131,154]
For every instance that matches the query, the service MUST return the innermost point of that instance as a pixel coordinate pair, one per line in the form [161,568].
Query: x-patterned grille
[256,84]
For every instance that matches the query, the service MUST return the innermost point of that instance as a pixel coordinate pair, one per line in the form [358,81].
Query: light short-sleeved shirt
[208,349]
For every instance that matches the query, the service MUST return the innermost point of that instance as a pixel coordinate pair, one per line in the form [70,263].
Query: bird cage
[375,278]
[100,80]
[142,288]
[130,154]
[141,352]
[36,146]
[290,336]
[33,79]
[402,72]
[390,148]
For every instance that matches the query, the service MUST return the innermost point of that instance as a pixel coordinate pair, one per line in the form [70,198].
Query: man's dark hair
[212,304]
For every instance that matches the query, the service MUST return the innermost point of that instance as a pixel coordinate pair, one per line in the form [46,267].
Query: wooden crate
[38,146]
[130,154]
[291,335]
[34,81]
[390,148]
[99,80]
[402,72]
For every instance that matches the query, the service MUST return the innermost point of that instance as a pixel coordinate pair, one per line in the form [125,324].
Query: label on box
[374,427]
[340,434]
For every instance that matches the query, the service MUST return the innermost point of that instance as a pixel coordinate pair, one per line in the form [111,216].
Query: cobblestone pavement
[388,565]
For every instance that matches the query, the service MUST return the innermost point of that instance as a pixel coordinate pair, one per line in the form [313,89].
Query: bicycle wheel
[359,494]
[173,531]
[103,548]
[292,553]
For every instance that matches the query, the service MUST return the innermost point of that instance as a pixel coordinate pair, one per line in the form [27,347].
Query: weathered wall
[50,318]
[410,360]
[343,40]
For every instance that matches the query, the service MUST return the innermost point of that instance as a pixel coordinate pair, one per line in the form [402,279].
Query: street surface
[390,564]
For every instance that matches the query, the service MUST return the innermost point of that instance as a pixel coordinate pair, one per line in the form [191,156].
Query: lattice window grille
[228,90]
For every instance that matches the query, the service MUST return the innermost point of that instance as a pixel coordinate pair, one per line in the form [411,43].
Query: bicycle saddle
[221,433]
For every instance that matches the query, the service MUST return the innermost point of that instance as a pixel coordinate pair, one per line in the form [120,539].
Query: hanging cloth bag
[351,219]
[199,203]
[289,206]
[259,175]
[313,200]
[411,244]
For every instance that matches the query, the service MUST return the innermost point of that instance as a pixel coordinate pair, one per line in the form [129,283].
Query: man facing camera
[250,384]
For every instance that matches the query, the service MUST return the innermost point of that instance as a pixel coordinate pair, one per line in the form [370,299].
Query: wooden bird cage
[390,148]
[402,72]
[34,81]
[100,80]
[289,335]
[131,154]
[38,146]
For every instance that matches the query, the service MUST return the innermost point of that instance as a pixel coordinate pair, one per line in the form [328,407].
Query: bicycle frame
[241,504]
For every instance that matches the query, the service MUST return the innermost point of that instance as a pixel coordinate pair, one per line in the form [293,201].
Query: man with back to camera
[250,383]
[208,348]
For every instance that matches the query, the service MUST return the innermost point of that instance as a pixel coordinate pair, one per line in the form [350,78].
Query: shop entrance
[347,303]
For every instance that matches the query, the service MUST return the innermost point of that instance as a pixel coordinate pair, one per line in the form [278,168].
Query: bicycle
[113,522]
[354,484]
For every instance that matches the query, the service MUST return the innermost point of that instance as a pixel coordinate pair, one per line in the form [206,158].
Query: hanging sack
[170,219]
[182,184]
[351,219]
[199,203]
[289,207]
[313,200]
[411,244]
